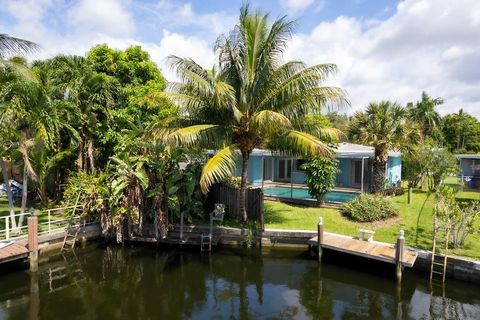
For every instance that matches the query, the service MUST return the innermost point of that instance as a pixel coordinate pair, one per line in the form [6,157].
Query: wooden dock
[380,251]
[14,251]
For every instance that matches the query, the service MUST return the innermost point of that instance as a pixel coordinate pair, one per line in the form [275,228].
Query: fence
[49,221]
[222,193]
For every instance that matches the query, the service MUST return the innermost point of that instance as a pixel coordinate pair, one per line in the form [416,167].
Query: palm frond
[12,45]
[304,144]
[193,134]
[270,121]
[218,167]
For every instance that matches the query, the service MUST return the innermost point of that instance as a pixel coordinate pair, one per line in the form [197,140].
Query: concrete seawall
[458,267]
[54,240]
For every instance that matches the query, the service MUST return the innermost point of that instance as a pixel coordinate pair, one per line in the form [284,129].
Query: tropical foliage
[321,173]
[386,127]
[461,132]
[369,207]
[459,218]
[425,114]
[251,99]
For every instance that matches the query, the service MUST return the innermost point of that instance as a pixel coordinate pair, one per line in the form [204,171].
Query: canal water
[109,282]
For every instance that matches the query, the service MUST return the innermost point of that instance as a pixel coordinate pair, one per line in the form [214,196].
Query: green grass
[416,219]
[43,217]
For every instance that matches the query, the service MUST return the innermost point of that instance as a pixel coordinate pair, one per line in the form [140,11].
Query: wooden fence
[222,193]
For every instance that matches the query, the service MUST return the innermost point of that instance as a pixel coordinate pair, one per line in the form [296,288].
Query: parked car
[15,187]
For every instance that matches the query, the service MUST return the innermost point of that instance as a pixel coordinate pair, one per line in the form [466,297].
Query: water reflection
[151,283]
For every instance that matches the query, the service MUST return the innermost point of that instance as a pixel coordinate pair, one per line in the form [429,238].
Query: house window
[299,163]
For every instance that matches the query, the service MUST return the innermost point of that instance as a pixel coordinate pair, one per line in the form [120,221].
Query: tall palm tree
[87,92]
[425,114]
[11,45]
[251,98]
[35,121]
[385,126]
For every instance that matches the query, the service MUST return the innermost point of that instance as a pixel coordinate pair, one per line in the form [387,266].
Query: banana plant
[129,182]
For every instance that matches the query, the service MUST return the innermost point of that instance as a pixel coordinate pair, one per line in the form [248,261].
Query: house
[354,164]
[470,169]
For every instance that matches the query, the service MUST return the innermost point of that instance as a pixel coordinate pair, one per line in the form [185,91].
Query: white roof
[468,156]
[344,150]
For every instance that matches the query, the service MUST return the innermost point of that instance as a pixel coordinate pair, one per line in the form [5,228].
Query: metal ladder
[438,267]
[71,233]
[216,215]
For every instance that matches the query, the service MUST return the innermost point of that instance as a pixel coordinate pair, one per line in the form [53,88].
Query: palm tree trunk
[6,180]
[90,154]
[24,196]
[243,186]
[379,165]
[80,157]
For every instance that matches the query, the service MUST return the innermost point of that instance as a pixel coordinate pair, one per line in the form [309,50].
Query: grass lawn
[416,219]
[43,217]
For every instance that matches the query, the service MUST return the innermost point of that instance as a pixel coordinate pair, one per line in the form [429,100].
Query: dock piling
[33,241]
[399,255]
[320,238]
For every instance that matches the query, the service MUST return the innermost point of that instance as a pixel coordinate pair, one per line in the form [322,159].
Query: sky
[385,50]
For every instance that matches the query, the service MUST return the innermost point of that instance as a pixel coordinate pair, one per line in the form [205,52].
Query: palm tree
[251,99]
[87,92]
[11,45]
[425,114]
[35,122]
[385,126]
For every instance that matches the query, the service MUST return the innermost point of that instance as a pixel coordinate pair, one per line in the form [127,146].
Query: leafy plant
[321,173]
[369,207]
[93,191]
[386,127]
[460,218]
[393,191]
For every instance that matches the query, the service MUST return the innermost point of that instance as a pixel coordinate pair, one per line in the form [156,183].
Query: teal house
[266,167]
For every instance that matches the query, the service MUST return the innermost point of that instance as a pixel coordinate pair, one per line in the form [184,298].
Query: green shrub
[369,207]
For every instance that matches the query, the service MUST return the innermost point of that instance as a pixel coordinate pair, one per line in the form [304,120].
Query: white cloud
[105,16]
[425,45]
[176,14]
[182,46]
[296,6]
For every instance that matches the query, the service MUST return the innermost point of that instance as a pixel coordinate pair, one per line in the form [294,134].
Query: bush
[393,191]
[369,207]
[321,173]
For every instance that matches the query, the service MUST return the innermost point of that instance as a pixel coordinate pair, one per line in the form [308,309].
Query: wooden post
[33,241]
[399,255]
[181,227]
[410,189]
[320,238]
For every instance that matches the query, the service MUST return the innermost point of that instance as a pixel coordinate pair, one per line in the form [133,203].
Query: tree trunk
[379,165]
[410,189]
[6,180]
[24,197]
[243,186]
[80,157]
[90,154]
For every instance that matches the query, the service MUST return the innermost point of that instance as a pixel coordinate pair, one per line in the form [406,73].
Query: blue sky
[384,49]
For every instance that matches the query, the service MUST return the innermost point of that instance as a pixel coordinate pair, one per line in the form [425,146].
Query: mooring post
[320,238]
[399,254]
[33,241]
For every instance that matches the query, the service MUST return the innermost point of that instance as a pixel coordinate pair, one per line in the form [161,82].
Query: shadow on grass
[272,216]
